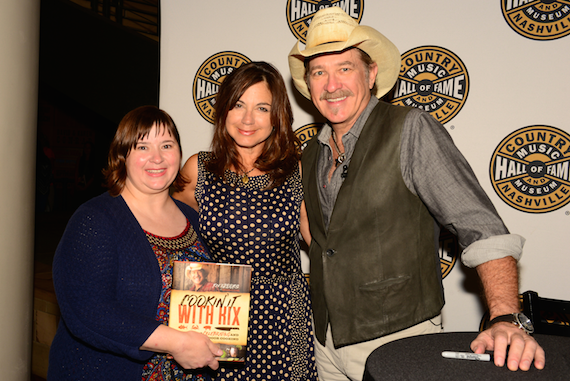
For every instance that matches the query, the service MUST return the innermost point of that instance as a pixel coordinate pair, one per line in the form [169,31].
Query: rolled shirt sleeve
[495,247]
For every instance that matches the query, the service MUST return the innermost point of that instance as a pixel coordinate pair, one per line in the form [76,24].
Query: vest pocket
[377,285]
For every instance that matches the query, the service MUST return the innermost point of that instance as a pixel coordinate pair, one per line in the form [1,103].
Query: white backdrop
[515,81]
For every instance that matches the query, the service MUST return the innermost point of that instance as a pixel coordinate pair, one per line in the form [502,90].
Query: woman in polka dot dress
[249,195]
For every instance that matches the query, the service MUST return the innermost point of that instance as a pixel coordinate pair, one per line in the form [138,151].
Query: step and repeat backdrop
[494,73]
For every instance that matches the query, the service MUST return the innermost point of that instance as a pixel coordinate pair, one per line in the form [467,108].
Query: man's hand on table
[523,347]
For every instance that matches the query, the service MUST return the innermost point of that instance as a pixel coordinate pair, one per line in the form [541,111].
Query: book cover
[213,299]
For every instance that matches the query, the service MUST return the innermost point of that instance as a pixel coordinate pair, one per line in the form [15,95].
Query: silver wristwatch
[519,319]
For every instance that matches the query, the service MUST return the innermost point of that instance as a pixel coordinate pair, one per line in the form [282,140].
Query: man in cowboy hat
[376,179]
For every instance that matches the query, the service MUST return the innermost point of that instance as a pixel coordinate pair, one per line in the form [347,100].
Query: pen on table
[466,356]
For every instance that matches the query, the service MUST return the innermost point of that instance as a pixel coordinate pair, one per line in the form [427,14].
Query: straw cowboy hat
[332,30]
[195,267]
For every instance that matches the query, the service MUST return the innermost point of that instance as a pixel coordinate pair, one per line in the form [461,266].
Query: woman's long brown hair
[281,151]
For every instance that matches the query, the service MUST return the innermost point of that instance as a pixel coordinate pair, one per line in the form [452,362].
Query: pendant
[245,179]
[340,159]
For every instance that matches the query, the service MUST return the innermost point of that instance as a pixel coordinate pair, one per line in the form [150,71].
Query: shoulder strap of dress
[203,157]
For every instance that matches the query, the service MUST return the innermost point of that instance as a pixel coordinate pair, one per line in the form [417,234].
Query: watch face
[525,322]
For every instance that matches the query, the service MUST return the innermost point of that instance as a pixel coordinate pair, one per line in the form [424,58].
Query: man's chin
[331,111]
[335,116]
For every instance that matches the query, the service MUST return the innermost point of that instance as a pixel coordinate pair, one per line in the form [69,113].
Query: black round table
[419,358]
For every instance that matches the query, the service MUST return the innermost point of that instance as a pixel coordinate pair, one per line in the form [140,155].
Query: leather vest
[375,271]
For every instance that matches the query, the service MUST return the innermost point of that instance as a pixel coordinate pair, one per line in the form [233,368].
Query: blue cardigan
[108,283]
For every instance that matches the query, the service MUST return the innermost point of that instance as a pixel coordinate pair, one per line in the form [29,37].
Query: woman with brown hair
[249,196]
[112,268]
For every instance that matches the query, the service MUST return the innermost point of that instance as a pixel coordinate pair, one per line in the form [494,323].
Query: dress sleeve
[203,156]
[435,170]
[100,284]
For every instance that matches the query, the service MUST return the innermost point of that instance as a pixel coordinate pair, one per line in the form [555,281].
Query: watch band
[509,318]
[518,319]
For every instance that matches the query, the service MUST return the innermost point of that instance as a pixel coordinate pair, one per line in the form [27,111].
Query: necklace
[341,156]
[245,178]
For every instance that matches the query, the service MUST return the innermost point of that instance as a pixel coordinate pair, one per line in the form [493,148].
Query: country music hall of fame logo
[529,169]
[433,79]
[307,132]
[449,249]
[209,77]
[300,13]
[538,20]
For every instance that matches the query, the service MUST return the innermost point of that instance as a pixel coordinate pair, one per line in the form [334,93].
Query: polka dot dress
[246,224]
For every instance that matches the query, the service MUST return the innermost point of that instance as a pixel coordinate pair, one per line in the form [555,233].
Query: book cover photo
[213,299]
